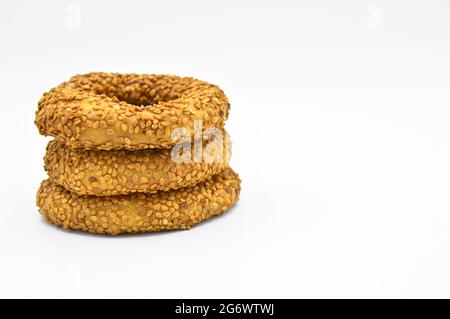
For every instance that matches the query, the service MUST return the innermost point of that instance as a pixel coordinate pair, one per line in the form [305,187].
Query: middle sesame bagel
[118,172]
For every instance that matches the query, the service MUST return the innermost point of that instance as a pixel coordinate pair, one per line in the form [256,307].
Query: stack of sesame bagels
[135,153]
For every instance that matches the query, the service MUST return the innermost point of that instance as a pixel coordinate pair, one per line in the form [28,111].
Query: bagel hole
[132,96]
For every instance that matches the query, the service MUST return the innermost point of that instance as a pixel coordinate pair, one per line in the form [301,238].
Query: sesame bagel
[128,111]
[176,209]
[118,172]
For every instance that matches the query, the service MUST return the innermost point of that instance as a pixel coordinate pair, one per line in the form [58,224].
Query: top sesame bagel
[128,111]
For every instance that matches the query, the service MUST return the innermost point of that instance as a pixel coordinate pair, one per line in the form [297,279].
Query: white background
[341,134]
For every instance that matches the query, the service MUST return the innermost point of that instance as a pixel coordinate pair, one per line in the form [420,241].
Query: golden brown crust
[103,110]
[176,209]
[118,172]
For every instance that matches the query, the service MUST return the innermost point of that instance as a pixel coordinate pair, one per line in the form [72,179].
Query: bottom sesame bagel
[134,213]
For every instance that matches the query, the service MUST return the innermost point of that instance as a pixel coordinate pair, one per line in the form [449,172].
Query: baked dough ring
[119,172]
[176,209]
[132,111]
